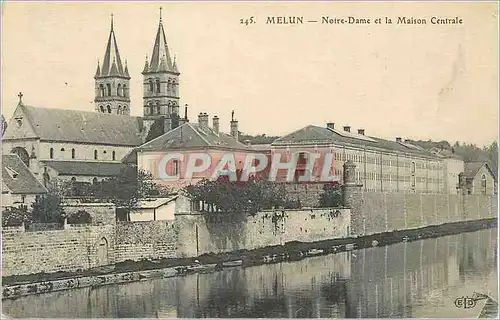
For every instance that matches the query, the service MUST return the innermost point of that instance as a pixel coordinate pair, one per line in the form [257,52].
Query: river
[411,279]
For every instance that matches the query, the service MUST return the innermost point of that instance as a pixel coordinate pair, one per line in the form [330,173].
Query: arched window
[72,153]
[125,90]
[483,184]
[62,149]
[51,153]
[108,85]
[157,85]
[23,154]
[102,109]
[73,179]
[124,110]
[109,109]
[94,181]
[114,155]
[95,154]
[119,111]
[169,87]
[157,107]
[101,90]
[151,85]
[119,90]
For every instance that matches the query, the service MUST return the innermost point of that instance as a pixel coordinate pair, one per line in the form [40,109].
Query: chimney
[330,125]
[347,128]
[203,120]
[185,119]
[234,128]
[398,139]
[361,131]
[215,127]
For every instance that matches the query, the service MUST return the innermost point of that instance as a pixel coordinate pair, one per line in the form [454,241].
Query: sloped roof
[444,153]
[312,134]
[190,135]
[78,168]
[472,168]
[18,178]
[83,126]
[112,63]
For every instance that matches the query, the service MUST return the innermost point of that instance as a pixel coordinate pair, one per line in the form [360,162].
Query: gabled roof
[315,135]
[112,63]
[161,53]
[79,168]
[192,136]
[18,178]
[472,168]
[81,126]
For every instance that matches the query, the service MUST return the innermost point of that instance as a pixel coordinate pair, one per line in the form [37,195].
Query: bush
[14,217]
[79,217]
[331,196]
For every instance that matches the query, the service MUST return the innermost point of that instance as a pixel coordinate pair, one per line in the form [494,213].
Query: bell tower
[161,83]
[112,81]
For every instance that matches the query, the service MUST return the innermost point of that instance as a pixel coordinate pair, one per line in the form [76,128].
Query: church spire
[112,55]
[98,70]
[160,50]
[176,70]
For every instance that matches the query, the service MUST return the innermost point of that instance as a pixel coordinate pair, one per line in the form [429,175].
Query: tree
[128,187]
[48,208]
[13,217]
[331,196]
[225,196]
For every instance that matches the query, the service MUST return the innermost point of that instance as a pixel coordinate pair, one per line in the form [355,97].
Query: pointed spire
[112,55]
[146,66]
[160,49]
[126,70]
[98,71]
[174,67]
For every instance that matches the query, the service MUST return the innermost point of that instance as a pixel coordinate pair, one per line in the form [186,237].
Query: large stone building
[89,145]
[381,165]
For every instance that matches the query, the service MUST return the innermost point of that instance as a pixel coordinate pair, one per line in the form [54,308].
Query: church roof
[81,126]
[112,57]
[81,168]
[160,52]
[192,136]
[315,135]
[18,178]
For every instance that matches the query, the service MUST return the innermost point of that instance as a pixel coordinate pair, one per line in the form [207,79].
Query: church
[88,146]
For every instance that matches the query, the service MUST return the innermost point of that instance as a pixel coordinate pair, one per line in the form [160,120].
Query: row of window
[155,86]
[119,110]
[121,91]
[73,154]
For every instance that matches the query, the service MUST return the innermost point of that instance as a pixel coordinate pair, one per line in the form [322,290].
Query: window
[109,109]
[157,86]
[62,149]
[13,173]
[51,155]
[95,154]
[169,87]
[102,109]
[23,198]
[125,90]
[108,85]
[151,86]
[483,184]
[124,110]
[101,90]
[114,155]
[94,181]
[119,90]
[119,111]
[72,153]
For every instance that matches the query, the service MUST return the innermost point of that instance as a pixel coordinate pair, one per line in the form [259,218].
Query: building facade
[479,178]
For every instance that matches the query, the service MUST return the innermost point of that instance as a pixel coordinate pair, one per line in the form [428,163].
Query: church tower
[112,81]
[161,83]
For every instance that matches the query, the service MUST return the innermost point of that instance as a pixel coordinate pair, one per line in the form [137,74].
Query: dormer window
[12,173]
[19,121]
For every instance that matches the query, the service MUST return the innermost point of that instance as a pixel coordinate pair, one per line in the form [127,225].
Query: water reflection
[416,279]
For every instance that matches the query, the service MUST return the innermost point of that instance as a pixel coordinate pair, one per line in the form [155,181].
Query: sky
[436,82]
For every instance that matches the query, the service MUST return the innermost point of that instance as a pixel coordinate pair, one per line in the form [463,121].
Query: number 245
[247,21]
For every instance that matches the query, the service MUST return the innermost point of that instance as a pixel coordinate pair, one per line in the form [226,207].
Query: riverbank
[129,271]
